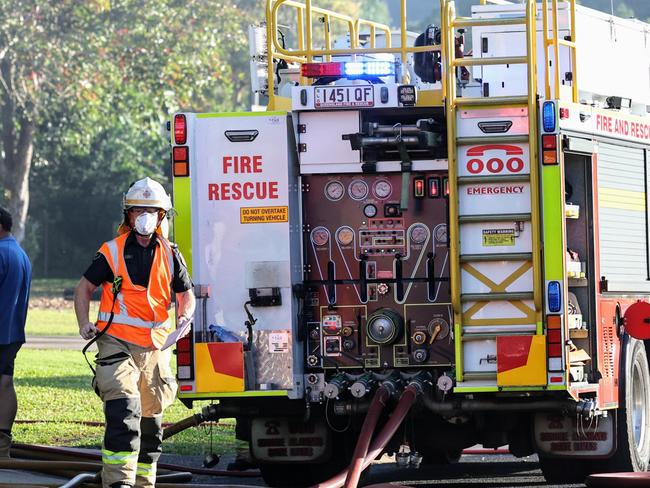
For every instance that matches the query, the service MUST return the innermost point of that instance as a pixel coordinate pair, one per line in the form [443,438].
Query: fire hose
[408,397]
[367,429]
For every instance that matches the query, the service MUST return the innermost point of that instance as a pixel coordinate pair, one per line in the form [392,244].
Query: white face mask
[146,223]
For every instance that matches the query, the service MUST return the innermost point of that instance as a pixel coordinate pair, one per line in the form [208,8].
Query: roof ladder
[495,262]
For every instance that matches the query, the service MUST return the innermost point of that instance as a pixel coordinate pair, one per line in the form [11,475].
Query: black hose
[181,425]
[66,453]
[81,479]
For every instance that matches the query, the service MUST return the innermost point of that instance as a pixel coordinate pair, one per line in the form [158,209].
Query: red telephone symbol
[495,165]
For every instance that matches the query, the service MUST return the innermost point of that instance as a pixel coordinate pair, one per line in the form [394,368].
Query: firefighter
[138,270]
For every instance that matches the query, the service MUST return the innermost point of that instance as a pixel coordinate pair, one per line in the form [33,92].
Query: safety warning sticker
[279,342]
[498,237]
[263,215]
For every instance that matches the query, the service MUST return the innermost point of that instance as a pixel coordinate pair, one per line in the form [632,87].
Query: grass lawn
[51,287]
[49,314]
[54,390]
[54,321]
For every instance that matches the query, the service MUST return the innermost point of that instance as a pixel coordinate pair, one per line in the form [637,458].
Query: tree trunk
[19,194]
[18,146]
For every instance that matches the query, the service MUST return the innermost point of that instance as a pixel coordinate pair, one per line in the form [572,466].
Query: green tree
[97,65]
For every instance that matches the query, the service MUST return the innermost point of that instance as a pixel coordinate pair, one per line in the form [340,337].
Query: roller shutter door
[622,204]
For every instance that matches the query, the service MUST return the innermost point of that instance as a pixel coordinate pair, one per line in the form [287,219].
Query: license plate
[344,96]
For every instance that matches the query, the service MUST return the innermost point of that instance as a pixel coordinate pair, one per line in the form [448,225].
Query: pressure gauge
[334,190]
[440,231]
[320,236]
[419,234]
[345,236]
[358,189]
[382,189]
[384,326]
[370,210]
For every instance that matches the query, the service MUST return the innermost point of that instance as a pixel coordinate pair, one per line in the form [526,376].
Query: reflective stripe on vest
[141,312]
[134,321]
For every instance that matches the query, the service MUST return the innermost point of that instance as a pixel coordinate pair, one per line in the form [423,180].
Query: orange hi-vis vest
[141,315]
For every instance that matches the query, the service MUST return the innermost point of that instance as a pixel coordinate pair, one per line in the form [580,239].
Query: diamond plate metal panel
[273,360]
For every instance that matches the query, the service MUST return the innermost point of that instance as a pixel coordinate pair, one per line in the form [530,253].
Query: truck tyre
[441,456]
[296,475]
[563,470]
[633,414]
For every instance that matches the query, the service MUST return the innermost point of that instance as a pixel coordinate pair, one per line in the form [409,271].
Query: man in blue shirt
[15,279]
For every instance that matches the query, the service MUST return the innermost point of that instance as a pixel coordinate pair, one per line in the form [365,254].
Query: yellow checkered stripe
[119,457]
[146,469]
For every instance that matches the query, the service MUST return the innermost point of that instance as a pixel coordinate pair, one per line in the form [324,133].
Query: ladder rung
[562,42]
[488,297]
[491,335]
[479,375]
[496,139]
[511,256]
[490,61]
[467,180]
[483,101]
[464,219]
[470,22]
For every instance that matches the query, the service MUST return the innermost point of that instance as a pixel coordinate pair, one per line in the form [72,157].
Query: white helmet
[146,193]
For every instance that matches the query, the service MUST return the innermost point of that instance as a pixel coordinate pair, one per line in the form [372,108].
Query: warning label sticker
[263,215]
[498,237]
[279,342]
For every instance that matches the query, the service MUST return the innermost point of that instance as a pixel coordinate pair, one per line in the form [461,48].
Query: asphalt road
[55,342]
[473,471]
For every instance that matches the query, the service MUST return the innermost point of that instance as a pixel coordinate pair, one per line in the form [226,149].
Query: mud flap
[561,437]
[280,440]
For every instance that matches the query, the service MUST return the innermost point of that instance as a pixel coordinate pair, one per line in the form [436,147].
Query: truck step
[488,297]
[510,256]
[466,180]
[520,217]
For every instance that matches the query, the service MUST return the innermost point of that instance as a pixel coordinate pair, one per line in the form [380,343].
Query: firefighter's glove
[88,330]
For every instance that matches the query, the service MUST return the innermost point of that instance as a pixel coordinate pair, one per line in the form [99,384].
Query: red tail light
[184,360]
[549,149]
[554,336]
[180,129]
[181,161]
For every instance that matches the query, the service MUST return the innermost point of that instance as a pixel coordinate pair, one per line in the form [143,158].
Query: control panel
[376,270]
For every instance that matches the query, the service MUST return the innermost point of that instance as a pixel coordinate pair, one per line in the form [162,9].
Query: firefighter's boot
[5,444]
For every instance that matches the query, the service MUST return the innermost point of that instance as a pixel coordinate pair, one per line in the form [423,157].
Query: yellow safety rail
[374,27]
[306,52]
[449,25]
[555,42]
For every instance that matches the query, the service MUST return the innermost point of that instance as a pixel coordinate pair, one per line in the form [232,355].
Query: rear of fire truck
[387,238]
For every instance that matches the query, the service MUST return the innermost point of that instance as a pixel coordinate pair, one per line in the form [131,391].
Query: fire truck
[427,241]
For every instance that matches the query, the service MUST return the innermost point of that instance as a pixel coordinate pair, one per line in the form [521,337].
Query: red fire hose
[361,450]
[409,395]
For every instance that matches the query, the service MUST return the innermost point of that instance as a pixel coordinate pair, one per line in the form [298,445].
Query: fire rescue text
[243,190]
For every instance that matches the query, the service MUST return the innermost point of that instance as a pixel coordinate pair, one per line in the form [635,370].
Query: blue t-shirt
[15,280]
